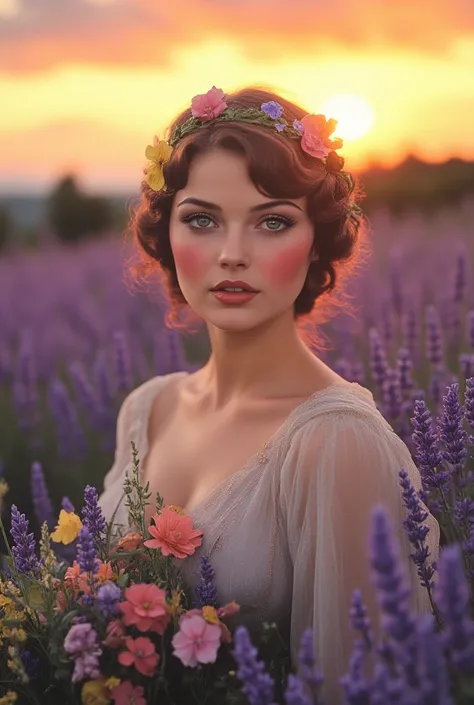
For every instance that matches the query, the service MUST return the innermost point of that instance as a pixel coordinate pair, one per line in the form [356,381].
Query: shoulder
[139,400]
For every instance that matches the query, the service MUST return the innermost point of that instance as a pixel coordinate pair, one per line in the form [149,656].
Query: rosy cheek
[189,260]
[284,266]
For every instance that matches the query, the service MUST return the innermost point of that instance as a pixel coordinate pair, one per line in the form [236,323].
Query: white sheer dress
[288,533]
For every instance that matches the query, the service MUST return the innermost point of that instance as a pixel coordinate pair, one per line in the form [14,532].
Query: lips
[234,285]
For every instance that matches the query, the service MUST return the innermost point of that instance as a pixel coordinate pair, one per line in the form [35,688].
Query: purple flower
[405,366]
[67,505]
[416,530]
[355,685]
[298,125]
[82,645]
[41,500]
[434,339]
[378,359]
[273,109]
[451,431]
[31,663]
[24,547]
[123,368]
[92,516]
[470,328]
[359,619]
[86,556]
[428,455]
[434,687]
[393,594]
[308,673]
[392,394]
[258,686]
[280,126]
[295,693]
[469,402]
[108,597]
[452,598]
[206,590]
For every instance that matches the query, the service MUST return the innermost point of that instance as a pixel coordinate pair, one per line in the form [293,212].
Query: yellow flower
[210,615]
[95,693]
[68,528]
[112,682]
[158,154]
[176,508]
[9,698]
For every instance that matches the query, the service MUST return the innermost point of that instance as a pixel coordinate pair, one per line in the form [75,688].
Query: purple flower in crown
[273,109]
[298,125]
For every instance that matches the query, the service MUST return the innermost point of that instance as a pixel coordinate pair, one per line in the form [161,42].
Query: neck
[261,363]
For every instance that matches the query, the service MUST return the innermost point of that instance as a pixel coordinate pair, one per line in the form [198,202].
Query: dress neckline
[252,461]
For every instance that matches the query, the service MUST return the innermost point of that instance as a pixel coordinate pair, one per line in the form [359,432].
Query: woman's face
[237,234]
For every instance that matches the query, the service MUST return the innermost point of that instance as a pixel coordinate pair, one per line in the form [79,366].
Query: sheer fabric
[288,533]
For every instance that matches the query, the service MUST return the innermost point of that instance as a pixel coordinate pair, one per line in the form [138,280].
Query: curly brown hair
[279,168]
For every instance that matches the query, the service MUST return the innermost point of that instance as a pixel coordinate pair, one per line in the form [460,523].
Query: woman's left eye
[279,220]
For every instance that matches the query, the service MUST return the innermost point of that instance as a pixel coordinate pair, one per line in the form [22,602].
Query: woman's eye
[199,219]
[274,223]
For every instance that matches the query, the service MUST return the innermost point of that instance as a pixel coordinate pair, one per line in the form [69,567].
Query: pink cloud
[141,32]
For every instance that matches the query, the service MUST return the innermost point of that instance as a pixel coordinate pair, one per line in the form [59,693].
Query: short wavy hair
[279,168]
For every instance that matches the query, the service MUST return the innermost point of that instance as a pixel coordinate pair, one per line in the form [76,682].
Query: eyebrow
[260,207]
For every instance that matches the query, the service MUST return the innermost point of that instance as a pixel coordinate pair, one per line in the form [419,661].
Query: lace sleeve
[337,469]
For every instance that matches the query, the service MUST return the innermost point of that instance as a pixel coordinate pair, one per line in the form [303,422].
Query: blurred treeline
[68,214]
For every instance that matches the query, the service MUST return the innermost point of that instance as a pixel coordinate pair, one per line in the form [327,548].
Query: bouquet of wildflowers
[118,625]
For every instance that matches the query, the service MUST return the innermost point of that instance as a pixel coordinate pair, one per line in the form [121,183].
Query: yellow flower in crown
[158,154]
[68,528]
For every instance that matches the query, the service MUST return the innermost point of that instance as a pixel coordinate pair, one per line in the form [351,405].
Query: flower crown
[314,131]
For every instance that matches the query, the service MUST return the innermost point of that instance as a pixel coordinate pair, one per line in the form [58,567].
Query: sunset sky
[85,84]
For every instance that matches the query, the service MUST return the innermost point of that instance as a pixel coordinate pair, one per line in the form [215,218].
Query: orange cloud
[143,32]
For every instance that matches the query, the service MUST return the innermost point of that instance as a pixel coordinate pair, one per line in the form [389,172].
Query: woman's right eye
[197,217]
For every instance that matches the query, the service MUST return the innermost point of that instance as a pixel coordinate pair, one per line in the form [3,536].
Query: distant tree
[6,227]
[74,215]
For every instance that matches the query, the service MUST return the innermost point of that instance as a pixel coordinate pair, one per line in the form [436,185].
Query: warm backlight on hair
[354,115]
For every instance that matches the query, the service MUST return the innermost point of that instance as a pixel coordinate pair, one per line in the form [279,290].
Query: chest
[190,456]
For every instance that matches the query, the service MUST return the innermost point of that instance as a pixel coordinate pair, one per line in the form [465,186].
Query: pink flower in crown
[207,106]
[316,133]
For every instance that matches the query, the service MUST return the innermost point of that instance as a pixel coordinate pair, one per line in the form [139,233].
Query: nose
[234,251]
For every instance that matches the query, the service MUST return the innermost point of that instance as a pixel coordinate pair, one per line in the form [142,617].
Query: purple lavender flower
[41,500]
[360,620]
[470,328]
[416,530]
[453,600]
[405,366]
[428,454]
[308,673]
[108,597]
[434,338]
[393,593]
[392,395]
[469,402]
[411,330]
[273,109]
[24,547]
[460,277]
[67,505]
[378,359]
[71,439]
[466,365]
[434,687]
[355,685]
[452,433]
[258,685]
[31,663]
[295,693]
[92,516]
[81,644]
[86,555]
[123,368]
[206,591]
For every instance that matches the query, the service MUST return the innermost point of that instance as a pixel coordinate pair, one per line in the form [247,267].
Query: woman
[276,457]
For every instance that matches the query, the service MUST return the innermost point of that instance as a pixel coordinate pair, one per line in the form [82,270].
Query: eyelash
[289,222]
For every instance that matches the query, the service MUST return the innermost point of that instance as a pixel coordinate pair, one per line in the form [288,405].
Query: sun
[354,115]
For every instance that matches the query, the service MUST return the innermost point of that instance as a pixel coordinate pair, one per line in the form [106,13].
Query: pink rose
[197,641]
[208,105]
[315,139]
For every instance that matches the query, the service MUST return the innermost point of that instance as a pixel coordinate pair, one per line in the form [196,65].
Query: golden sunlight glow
[354,115]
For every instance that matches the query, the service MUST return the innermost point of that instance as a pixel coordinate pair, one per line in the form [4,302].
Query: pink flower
[208,105]
[315,139]
[145,607]
[197,641]
[141,654]
[115,634]
[127,694]
[174,534]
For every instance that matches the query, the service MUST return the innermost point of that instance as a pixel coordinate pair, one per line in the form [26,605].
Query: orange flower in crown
[158,154]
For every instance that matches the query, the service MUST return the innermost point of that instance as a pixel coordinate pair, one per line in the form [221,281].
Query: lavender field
[74,342]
